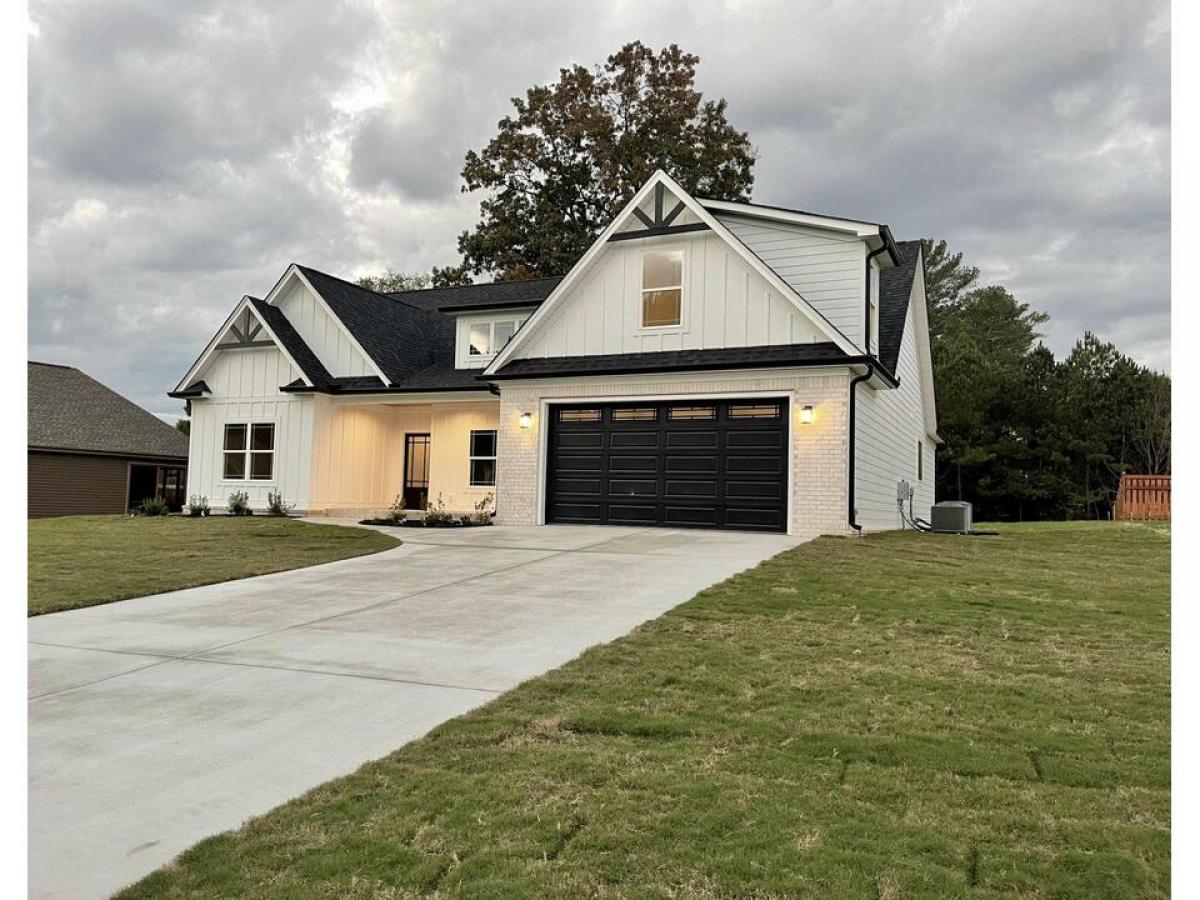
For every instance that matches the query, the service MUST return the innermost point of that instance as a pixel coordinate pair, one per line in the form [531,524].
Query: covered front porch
[369,452]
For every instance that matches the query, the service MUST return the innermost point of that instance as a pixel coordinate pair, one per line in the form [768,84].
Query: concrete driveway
[158,721]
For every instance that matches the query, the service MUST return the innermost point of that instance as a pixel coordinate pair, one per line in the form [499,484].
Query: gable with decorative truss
[668,275]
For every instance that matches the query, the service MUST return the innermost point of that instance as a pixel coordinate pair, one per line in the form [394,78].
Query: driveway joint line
[165,658]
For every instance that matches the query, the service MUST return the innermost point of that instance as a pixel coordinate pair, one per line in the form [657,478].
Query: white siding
[825,267]
[889,425]
[245,388]
[725,304]
[323,334]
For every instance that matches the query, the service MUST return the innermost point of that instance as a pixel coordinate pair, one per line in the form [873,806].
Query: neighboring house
[705,363]
[93,452]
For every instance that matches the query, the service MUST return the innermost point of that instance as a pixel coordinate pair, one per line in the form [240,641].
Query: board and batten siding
[245,389]
[324,335]
[725,304]
[825,267]
[888,426]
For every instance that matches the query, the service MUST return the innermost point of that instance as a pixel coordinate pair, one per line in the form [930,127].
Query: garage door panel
[693,440]
[680,488]
[754,465]
[702,464]
[684,464]
[576,440]
[754,439]
[570,463]
[631,463]
[691,516]
[626,487]
[633,514]
[736,489]
[637,440]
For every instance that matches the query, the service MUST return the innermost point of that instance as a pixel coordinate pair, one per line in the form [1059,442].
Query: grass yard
[79,561]
[895,717]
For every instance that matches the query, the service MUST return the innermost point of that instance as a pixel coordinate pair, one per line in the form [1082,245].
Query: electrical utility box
[951,517]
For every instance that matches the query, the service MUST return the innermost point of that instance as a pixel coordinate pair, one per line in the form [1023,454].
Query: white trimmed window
[249,451]
[486,339]
[662,288]
[483,459]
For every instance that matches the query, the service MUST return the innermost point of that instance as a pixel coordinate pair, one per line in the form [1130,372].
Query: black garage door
[693,464]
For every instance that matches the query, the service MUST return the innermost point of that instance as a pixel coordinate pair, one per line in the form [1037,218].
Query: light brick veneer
[818,452]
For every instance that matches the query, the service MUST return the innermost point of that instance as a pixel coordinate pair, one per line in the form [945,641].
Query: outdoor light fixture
[526,420]
[806,415]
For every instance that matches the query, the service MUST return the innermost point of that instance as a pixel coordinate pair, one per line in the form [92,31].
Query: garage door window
[483,459]
[754,411]
[692,413]
[579,415]
[646,414]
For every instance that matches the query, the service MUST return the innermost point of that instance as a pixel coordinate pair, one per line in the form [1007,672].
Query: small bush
[436,515]
[197,506]
[396,513]
[484,512]
[239,504]
[275,504]
[154,506]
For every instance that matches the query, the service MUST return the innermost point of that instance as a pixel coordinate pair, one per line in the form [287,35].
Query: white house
[704,364]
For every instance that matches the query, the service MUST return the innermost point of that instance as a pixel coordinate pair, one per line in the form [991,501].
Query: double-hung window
[249,452]
[662,288]
[483,459]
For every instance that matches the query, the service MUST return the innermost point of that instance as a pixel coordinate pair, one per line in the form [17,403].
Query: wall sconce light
[526,420]
[806,415]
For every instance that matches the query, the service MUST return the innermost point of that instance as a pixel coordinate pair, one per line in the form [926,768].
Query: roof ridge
[36,362]
[451,287]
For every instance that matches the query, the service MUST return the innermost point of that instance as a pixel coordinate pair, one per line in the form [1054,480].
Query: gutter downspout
[851,513]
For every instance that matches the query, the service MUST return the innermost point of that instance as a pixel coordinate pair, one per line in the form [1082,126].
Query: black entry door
[682,464]
[416,470]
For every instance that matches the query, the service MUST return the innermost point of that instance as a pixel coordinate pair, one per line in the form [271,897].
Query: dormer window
[488,338]
[480,338]
[662,288]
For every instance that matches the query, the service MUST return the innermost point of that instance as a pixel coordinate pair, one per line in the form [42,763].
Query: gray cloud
[182,154]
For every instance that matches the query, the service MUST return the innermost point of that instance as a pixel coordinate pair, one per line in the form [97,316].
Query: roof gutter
[707,366]
[851,512]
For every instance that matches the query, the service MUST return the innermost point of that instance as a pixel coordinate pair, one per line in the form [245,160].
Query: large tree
[574,151]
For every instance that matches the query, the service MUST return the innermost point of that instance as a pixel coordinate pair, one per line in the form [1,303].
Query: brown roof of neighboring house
[70,411]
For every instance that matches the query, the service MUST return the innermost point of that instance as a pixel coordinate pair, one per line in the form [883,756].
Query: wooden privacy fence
[1143,497]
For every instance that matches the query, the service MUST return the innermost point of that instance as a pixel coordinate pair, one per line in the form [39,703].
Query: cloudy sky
[181,154]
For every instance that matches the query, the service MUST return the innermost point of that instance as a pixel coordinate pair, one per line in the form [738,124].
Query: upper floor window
[662,288]
[488,338]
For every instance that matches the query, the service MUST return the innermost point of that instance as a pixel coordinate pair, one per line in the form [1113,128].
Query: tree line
[1026,436]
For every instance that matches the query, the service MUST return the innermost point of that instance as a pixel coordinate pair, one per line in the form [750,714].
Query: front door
[416,471]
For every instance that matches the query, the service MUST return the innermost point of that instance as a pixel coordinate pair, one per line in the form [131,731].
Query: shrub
[396,513]
[275,504]
[154,506]
[436,515]
[239,504]
[197,506]
[483,512]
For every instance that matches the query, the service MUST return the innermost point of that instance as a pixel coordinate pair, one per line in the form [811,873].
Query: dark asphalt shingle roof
[676,360]
[312,367]
[70,411]
[465,297]
[895,287]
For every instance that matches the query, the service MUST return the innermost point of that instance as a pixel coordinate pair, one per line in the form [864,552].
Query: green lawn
[86,560]
[893,717]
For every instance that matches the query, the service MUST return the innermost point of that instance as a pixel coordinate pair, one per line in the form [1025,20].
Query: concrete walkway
[157,721]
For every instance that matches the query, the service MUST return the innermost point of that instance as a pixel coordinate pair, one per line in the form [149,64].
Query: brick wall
[819,449]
